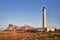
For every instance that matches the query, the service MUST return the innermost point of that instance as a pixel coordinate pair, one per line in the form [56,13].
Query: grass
[29,36]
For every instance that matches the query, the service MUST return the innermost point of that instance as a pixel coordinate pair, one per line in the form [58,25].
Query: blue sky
[20,12]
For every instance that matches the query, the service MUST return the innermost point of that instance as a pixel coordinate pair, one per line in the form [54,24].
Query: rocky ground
[28,36]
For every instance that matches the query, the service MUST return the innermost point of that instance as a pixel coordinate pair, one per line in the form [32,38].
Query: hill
[15,28]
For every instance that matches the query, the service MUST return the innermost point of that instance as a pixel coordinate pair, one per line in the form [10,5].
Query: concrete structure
[44,17]
[51,29]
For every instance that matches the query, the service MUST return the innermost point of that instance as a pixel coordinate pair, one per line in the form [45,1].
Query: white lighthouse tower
[44,17]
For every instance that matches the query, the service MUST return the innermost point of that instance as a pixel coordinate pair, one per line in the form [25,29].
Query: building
[41,29]
[51,29]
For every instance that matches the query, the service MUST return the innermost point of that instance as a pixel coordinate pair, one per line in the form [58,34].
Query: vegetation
[29,36]
[32,31]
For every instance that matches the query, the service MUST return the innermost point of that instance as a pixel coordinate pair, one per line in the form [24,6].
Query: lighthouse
[44,17]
